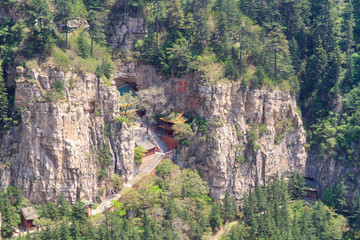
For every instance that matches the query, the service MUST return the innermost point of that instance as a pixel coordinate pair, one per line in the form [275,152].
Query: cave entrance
[122,81]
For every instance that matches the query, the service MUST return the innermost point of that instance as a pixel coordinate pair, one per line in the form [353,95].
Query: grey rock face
[222,153]
[54,150]
[127,31]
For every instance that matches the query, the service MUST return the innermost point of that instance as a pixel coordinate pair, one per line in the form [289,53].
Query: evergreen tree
[64,206]
[296,185]
[75,231]
[355,214]
[228,207]
[341,193]
[277,45]
[64,13]
[65,232]
[40,22]
[176,16]
[215,217]
[96,19]
[79,211]
[9,216]
[3,102]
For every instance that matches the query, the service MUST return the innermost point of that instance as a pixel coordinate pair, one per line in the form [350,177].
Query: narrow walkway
[163,147]
[152,164]
[146,170]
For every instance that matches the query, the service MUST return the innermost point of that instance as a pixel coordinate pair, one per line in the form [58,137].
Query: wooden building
[311,188]
[28,214]
[89,206]
[311,193]
[167,126]
[129,101]
[148,145]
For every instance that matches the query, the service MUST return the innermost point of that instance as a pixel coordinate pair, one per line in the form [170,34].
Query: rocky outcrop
[244,144]
[56,148]
[126,32]
[224,154]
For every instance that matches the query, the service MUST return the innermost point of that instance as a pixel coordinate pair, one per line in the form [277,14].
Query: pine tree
[79,211]
[355,214]
[40,22]
[296,185]
[64,13]
[75,230]
[228,207]
[176,16]
[341,193]
[3,102]
[65,232]
[10,218]
[64,206]
[348,38]
[215,217]
[96,19]
[277,46]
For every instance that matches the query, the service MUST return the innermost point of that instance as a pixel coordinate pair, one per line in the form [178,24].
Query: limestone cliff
[225,154]
[66,120]
[243,146]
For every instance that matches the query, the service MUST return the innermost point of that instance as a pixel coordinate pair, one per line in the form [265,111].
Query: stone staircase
[162,146]
[149,168]
[152,164]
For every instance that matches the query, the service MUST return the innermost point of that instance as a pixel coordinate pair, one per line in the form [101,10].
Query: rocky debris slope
[67,125]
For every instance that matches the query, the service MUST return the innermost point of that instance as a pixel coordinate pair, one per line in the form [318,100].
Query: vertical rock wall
[55,149]
[222,154]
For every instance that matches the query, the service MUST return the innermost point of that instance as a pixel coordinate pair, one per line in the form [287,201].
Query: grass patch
[282,128]
[106,81]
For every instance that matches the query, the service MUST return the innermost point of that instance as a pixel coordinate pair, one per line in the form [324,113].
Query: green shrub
[282,128]
[139,153]
[185,142]
[59,86]
[97,113]
[60,57]
[106,81]
[104,154]
[106,68]
[262,129]
[165,168]
[71,83]
[101,190]
[201,123]
[117,182]
[122,119]
[106,129]
[252,137]
[101,175]
[83,45]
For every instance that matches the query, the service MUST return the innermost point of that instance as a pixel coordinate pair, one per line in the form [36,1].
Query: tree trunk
[147,124]
[67,37]
[157,25]
[175,34]
[275,63]
[206,3]
[125,10]
[91,48]
[241,59]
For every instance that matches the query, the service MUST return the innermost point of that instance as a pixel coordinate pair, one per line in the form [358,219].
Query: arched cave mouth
[123,81]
